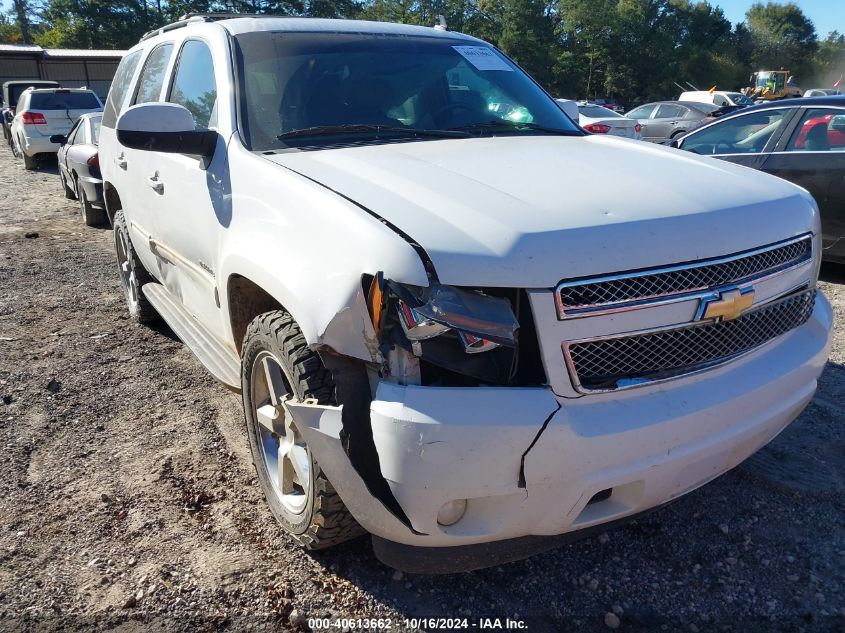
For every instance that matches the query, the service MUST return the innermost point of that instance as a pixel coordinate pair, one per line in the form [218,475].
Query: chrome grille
[614,292]
[627,361]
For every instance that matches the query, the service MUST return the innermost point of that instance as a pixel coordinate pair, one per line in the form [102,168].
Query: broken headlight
[463,331]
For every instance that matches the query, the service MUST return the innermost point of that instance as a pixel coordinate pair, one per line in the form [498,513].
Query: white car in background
[716,97]
[45,112]
[597,119]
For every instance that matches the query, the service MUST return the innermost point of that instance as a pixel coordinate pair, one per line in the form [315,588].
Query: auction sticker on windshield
[483,58]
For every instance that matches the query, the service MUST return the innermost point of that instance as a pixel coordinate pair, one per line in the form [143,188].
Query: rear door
[112,161]
[812,154]
[135,167]
[741,139]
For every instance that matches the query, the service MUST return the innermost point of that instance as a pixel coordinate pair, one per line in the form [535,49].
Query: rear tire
[90,215]
[133,275]
[299,494]
[29,163]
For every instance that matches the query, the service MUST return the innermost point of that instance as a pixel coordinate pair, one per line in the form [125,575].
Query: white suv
[43,113]
[448,328]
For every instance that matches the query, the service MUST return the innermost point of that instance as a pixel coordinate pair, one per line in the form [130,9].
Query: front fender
[307,247]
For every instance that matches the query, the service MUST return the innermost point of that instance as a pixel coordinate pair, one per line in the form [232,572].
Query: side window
[119,87]
[820,130]
[746,134]
[643,112]
[152,76]
[194,86]
[95,129]
[670,111]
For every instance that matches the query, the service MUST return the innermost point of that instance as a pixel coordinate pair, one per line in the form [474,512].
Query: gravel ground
[128,499]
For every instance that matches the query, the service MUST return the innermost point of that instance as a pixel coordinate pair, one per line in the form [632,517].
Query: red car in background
[834,125]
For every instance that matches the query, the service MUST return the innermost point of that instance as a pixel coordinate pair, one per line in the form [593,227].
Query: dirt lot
[128,498]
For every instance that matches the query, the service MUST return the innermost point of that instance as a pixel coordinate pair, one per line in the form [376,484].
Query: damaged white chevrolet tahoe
[450,328]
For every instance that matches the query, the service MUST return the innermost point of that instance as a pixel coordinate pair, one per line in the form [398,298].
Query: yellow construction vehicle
[768,85]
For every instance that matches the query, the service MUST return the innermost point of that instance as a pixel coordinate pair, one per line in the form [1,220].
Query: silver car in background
[664,120]
[79,167]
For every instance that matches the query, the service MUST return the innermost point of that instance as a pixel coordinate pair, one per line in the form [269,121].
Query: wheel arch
[332,316]
[112,200]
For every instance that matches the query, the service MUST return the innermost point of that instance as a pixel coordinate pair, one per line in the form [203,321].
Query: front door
[739,139]
[193,195]
[813,156]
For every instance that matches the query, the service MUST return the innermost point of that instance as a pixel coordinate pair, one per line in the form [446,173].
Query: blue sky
[827,15]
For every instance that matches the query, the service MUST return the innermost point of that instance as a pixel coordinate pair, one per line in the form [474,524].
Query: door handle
[156,184]
[121,162]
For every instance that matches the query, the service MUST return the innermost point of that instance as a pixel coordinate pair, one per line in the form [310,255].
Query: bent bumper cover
[528,462]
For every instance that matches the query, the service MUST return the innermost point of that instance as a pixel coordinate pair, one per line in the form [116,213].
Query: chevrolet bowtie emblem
[729,305]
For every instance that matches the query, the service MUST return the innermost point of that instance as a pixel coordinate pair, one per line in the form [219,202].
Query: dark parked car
[79,167]
[664,120]
[800,140]
[610,104]
[11,93]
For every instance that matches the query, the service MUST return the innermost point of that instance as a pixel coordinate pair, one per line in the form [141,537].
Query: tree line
[631,50]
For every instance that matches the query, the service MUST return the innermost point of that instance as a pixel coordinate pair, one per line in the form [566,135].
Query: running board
[220,361]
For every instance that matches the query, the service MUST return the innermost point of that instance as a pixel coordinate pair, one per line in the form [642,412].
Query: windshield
[15,91]
[772,81]
[739,98]
[597,112]
[63,101]
[320,89]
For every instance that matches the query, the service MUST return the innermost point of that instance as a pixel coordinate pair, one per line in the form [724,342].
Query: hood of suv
[529,211]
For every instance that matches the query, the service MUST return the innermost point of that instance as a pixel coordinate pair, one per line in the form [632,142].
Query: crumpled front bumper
[529,462]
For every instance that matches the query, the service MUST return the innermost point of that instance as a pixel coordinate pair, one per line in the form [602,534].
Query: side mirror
[673,143]
[164,127]
[61,139]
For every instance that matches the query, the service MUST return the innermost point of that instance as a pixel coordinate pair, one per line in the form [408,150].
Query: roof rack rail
[223,15]
[190,18]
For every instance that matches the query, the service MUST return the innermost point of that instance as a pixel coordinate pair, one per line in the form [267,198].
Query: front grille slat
[623,361]
[591,296]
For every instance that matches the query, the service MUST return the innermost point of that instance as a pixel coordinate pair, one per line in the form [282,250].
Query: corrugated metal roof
[81,52]
[20,48]
[61,52]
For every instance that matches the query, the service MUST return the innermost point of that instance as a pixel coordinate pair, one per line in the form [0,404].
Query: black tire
[139,308]
[677,133]
[29,163]
[90,215]
[70,194]
[324,521]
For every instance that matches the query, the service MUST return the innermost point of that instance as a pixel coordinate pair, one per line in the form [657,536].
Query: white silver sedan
[600,120]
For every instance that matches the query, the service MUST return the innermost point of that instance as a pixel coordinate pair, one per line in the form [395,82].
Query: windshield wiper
[512,126]
[354,128]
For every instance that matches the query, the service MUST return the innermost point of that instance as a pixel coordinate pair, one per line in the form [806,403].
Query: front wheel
[278,364]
